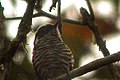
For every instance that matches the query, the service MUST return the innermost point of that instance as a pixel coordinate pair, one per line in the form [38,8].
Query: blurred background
[77,37]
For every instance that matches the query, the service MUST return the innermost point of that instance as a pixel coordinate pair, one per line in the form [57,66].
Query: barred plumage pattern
[51,57]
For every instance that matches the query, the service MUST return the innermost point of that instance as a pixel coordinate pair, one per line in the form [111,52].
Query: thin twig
[90,66]
[90,9]
[59,8]
[13,18]
[59,16]
[45,14]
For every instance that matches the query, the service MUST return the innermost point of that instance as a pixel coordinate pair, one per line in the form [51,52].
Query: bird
[51,56]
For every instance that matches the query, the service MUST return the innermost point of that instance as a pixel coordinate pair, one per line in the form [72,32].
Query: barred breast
[51,58]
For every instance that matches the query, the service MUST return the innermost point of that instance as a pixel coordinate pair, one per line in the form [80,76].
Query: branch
[100,42]
[23,29]
[90,67]
[53,4]
[59,16]
[1,28]
[91,10]
[45,14]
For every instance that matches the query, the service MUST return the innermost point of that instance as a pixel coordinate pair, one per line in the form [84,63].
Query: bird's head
[45,29]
